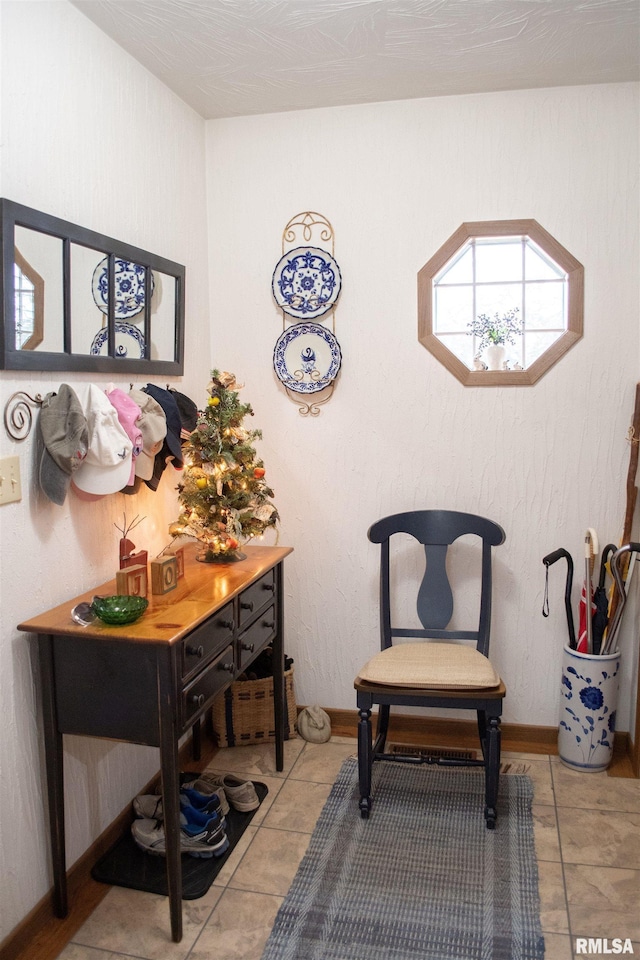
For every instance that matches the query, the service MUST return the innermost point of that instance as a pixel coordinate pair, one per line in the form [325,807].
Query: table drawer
[256,636]
[207,684]
[255,596]
[204,643]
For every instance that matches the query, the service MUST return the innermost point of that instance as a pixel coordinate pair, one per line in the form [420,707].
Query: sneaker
[211,802]
[190,817]
[198,839]
[241,793]
[149,806]
[208,785]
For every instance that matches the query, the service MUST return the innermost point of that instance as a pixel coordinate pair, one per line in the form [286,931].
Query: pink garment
[128,412]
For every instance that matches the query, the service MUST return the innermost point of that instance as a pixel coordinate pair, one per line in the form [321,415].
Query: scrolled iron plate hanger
[306,289]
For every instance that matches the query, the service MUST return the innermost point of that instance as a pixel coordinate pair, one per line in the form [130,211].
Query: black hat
[174,423]
[188,413]
[161,460]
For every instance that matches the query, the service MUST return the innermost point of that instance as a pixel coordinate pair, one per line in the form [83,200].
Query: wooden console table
[150,681]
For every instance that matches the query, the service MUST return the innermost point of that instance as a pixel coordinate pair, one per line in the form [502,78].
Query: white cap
[107,466]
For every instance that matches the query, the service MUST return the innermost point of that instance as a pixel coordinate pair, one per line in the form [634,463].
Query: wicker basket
[244,714]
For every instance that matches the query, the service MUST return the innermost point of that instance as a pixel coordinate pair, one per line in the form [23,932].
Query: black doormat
[126,865]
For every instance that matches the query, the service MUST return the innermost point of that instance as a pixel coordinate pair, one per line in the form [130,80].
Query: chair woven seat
[431,666]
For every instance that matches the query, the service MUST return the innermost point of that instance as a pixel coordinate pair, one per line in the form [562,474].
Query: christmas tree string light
[223,495]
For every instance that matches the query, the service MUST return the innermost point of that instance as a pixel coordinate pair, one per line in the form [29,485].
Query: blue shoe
[209,784]
[200,801]
[149,806]
[198,840]
[198,828]
[189,815]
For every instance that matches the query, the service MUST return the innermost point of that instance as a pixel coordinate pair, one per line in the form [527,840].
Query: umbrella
[609,645]
[601,601]
[548,560]
[585,629]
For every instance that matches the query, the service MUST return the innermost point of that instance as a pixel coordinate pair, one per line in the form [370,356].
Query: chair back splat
[435,672]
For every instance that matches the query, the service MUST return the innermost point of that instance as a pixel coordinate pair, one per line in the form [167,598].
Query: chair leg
[482,732]
[365,760]
[492,771]
[382,727]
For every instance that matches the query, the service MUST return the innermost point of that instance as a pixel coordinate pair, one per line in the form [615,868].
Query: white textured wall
[400,432]
[89,136]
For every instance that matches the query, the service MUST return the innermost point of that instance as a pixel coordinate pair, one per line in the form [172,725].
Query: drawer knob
[248,646]
[268,623]
[198,699]
[269,586]
[196,652]
[229,624]
[229,667]
[246,604]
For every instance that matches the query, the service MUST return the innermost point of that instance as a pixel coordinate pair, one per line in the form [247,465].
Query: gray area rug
[422,879]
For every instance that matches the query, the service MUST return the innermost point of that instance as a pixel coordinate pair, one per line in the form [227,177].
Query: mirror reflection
[76,300]
[29,294]
[164,307]
[38,261]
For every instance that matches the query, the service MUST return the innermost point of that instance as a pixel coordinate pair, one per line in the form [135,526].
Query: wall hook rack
[18,416]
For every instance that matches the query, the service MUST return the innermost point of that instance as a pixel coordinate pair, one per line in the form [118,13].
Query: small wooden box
[132,581]
[179,555]
[164,575]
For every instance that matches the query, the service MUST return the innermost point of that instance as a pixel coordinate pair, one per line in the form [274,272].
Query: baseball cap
[188,413]
[65,436]
[107,465]
[153,427]
[172,415]
[159,464]
[128,413]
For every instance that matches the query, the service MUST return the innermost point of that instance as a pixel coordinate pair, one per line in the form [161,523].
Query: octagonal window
[500,302]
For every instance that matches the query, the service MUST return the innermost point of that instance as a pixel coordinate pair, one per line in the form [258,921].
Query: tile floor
[587,842]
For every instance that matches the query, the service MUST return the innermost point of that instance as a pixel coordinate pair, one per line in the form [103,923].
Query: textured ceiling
[237,57]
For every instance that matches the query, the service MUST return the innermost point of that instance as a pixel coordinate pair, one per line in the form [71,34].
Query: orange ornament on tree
[259,473]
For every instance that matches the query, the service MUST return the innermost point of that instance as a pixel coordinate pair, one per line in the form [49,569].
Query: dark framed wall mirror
[73,299]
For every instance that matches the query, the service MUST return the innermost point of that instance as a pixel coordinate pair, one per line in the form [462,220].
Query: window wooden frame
[37,336]
[575,310]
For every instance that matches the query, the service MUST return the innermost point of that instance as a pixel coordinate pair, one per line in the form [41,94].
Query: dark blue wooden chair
[434,666]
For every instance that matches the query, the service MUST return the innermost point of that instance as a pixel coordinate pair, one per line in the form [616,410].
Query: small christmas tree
[223,495]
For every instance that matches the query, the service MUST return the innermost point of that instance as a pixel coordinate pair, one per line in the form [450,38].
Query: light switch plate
[10,485]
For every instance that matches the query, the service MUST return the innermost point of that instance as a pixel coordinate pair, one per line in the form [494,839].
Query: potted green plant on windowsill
[493,333]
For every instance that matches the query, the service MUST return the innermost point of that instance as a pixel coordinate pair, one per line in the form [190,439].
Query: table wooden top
[204,588]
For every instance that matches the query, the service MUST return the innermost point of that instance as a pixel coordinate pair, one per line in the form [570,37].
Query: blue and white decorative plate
[306,282]
[129,342]
[307,357]
[129,283]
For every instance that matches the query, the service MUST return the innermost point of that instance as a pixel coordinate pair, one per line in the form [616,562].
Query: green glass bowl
[119,609]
